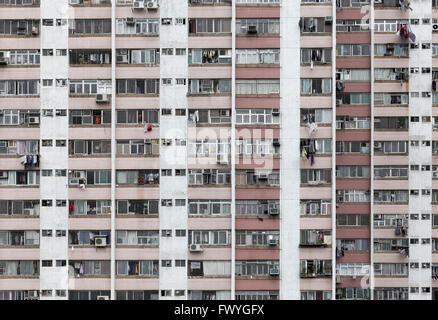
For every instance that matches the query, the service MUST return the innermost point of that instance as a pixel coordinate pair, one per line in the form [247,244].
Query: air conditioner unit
[102,298]
[138,4]
[273,211]
[100,241]
[377,145]
[275,112]
[272,241]
[152,5]
[195,248]
[252,30]
[328,19]
[338,101]
[377,217]
[34,120]
[274,91]
[338,279]
[274,272]
[122,58]
[276,141]
[102,98]
[378,1]
[435,27]
[130,21]
[4,57]
[35,31]
[29,212]
[3,174]
[263,176]
[222,159]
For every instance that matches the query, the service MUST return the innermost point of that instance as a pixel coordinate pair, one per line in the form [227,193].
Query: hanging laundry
[312,127]
[304,153]
[312,159]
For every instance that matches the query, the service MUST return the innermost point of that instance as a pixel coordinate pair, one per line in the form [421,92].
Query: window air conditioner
[273,211]
[377,145]
[195,248]
[435,27]
[275,112]
[263,176]
[272,241]
[338,279]
[274,272]
[377,217]
[3,174]
[138,4]
[152,5]
[102,298]
[276,141]
[328,19]
[100,241]
[338,101]
[102,98]
[122,58]
[34,120]
[377,1]
[252,30]
[4,57]
[130,21]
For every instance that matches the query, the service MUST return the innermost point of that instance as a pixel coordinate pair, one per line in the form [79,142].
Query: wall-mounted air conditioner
[138,4]
[195,248]
[100,241]
[102,98]
[222,159]
[152,5]
[273,211]
[3,174]
[102,298]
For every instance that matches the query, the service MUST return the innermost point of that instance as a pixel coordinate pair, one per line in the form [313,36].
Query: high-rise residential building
[218,149]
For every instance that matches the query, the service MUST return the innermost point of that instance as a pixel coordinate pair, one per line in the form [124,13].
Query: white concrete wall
[173,157]
[421,155]
[56,127]
[290,142]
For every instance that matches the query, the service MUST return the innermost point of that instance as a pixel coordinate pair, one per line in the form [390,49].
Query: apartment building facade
[218,149]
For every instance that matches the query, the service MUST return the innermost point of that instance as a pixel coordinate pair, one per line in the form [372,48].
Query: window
[255,87]
[261,25]
[217,237]
[138,86]
[46,263]
[209,86]
[315,86]
[219,25]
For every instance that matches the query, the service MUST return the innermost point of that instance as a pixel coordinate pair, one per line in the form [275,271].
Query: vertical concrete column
[54,128]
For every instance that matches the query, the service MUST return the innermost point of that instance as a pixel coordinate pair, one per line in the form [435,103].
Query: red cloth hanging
[71,206]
